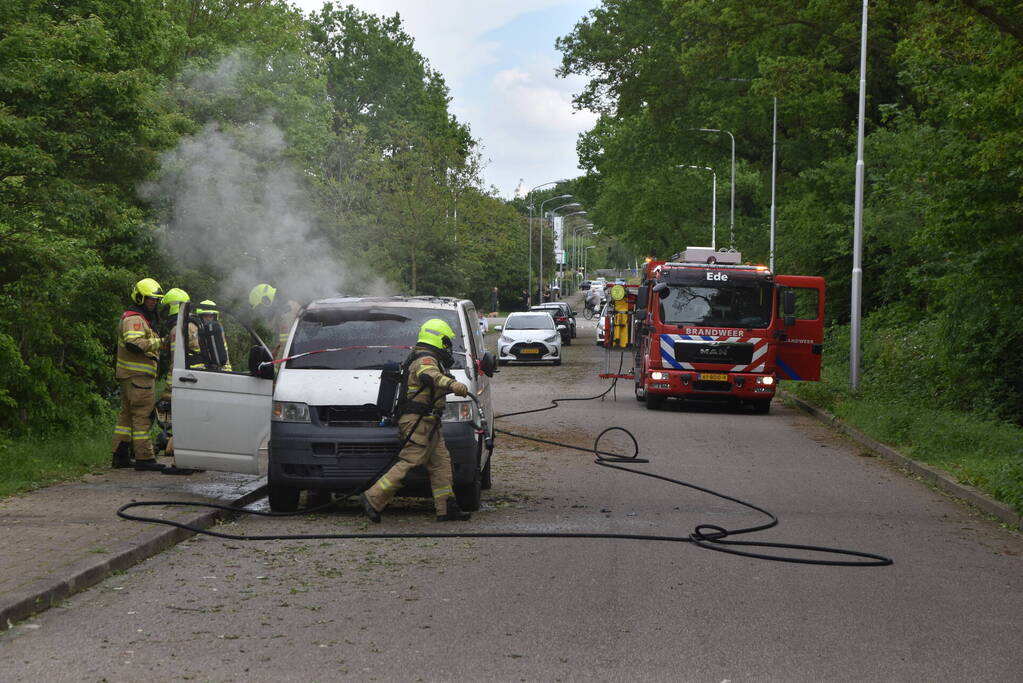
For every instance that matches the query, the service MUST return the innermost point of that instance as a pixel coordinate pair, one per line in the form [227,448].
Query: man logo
[716,352]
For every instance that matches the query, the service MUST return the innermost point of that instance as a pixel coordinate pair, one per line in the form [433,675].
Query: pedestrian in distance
[494,300]
[138,355]
[524,300]
[427,376]
[484,324]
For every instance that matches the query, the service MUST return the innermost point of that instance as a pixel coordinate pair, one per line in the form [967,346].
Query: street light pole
[529,279]
[586,259]
[857,270]
[713,203]
[561,270]
[542,216]
[731,236]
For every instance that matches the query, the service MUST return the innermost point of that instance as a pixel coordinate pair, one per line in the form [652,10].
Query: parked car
[584,285]
[326,431]
[563,315]
[605,312]
[529,336]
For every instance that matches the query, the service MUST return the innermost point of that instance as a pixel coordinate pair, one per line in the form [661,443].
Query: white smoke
[237,210]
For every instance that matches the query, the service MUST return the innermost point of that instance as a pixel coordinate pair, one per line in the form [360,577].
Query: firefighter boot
[148,465]
[121,456]
[454,513]
[367,507]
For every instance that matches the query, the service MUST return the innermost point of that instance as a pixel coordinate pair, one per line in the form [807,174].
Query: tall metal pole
[529,195]
[774,174]
[731,237]
[540,278]
[857,270]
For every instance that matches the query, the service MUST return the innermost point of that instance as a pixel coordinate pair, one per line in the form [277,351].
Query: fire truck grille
[708,352]
[707,385]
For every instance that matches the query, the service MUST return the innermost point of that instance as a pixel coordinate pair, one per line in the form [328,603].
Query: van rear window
[365,338]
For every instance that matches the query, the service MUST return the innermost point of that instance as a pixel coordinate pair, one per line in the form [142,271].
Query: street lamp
[575,246]
[731,237]
[586,259]
[573,205]
[542,215]
[529,282]
[713,203]
[857,269]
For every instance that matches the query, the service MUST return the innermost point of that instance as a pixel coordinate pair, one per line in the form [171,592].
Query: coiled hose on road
[707,536]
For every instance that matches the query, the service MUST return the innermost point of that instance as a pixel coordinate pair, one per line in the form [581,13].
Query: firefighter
[428,381]
[207,315]
[281,318]
[138,353]
[171,303]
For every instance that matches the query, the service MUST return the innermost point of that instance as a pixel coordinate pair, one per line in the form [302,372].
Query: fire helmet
[203,311]
[436,333]
[146,288]
[173,300]
[262,294]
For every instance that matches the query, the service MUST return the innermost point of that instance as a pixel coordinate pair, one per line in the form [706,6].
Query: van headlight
[457,411]
[284,411]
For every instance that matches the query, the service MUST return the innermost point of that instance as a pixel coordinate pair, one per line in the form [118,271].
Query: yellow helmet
[262,294]
[203,311]
[437,334]
[146,288]
[173,300]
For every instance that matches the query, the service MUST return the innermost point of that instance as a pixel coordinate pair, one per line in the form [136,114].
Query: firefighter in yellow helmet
[171,303]
[429,381]
[206,315]
[263,297]
[138,353]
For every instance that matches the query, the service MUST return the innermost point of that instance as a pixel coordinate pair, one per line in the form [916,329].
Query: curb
[49,592]
[933,475]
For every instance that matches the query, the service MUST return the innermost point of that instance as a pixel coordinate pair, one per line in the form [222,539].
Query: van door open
[220,417]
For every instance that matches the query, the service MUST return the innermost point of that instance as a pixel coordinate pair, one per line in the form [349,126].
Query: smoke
[238,211]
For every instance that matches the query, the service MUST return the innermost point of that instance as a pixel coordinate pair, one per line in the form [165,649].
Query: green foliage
[944,158]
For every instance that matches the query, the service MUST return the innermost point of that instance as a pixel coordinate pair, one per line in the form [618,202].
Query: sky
[498,59]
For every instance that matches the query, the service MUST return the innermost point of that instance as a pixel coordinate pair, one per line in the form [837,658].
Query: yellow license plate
[530,351]
[713,377]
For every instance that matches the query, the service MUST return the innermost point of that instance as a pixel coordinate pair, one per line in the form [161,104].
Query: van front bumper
[350,459]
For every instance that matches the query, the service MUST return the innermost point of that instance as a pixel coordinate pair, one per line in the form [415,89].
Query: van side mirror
[488,364]
[661,290]
[261,362]
[788,307]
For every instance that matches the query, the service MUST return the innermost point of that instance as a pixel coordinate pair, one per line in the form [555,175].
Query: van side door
[220,418]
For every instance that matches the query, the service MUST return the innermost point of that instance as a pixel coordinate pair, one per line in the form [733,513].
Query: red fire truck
[707,326]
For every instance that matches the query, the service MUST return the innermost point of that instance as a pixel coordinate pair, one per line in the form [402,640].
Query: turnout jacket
[138,346]
[428,384]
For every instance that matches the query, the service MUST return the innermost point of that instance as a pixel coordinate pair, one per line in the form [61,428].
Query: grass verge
[977,451]
[34,462]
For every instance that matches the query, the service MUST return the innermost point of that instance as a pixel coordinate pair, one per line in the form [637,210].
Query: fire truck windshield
[742,304]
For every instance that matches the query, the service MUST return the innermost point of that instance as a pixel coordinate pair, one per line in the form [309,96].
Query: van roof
[397,301]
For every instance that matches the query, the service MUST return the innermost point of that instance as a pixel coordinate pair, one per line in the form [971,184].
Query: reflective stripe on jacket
[140,358]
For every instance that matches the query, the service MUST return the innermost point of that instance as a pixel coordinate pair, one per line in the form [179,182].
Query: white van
[320,415]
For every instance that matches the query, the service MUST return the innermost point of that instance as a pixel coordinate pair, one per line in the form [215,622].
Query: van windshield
[393,328]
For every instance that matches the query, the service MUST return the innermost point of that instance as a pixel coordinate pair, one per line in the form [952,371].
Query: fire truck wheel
[654,402]
[762,407]
[640,393]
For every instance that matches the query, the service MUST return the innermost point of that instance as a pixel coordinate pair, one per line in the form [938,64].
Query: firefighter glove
[459,389]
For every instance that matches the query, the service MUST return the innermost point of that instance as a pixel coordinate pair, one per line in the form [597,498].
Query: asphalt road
[949,609]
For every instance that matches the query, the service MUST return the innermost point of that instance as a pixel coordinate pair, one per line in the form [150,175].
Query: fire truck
[707,326]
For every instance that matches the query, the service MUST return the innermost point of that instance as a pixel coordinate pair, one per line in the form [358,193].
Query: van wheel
[469,495]
[486,480]
[282,498]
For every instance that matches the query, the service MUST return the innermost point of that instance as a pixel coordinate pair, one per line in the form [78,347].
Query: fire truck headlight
[659,376]
[765,380]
